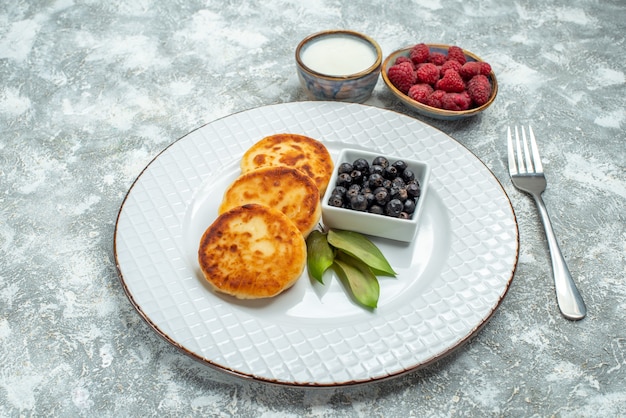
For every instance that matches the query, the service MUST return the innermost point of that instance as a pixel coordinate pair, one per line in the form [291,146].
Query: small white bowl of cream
[340,65]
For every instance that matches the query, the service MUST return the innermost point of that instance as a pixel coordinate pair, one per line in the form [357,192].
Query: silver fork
[527,175]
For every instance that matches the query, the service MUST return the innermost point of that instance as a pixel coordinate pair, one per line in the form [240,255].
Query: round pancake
[251,252]
[298,151]
[284,188]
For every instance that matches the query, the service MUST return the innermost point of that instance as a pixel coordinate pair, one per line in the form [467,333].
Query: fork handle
[570,302]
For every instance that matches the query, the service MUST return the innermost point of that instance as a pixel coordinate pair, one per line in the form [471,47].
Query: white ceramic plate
[451,279]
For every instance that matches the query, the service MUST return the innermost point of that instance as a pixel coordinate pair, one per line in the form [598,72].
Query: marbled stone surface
[91,91]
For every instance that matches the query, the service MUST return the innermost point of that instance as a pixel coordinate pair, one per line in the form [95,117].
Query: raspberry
[419,53]
[427,73]
[456,101]
[451,82]
[402,59]
[455,53]
[472,68]
[479,89]
[420,92]
[402,76]
[435,99]
[450,65]
[437,58]
[485,68]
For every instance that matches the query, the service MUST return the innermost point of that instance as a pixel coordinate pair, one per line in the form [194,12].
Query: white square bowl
[369,223]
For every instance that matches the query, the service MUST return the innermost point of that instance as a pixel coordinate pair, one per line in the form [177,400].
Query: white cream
[338,55]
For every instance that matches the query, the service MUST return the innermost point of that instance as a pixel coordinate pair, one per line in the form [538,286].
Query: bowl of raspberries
[440,81]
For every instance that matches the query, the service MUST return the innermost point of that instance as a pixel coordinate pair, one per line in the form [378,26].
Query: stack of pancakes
[256,247]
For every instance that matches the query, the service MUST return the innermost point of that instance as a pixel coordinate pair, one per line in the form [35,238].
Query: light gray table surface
[91,92]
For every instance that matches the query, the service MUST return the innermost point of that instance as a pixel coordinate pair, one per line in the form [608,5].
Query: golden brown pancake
[252,251]
[298,151]
[284,188]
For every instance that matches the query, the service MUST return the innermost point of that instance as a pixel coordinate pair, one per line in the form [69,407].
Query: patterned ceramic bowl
[429,111]
[369,223]
[340,65]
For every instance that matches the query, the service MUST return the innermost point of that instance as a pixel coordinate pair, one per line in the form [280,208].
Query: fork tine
[520,156]
[512,165]
[535,151]
[529,162]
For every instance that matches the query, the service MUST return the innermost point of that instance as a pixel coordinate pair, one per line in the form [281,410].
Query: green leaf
[320,255]
[359,278]
[360,247]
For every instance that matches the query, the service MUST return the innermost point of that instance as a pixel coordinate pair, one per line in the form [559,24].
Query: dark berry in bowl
[390,172]
[344,180]
[377,169]
[345,168]
[409,206]
[362,165]
[377,210]
[336,201]
[394,208]
[381,161]
[413,189]
[375,181]
[381,196]
[400,166]
[408,175]
[357,176]
[358,202]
